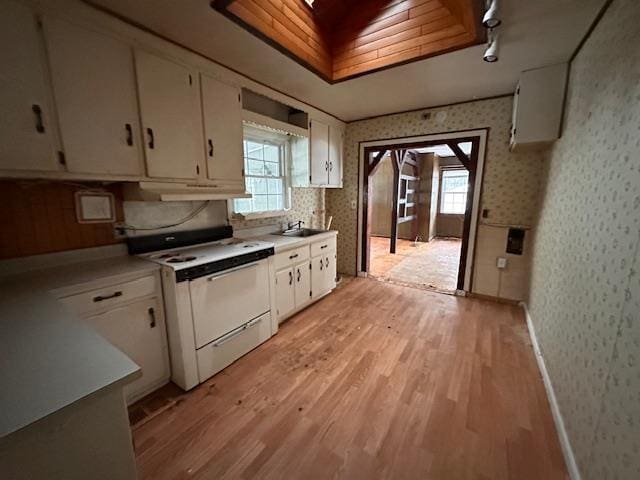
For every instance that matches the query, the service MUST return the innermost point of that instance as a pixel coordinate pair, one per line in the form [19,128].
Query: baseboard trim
[567,451]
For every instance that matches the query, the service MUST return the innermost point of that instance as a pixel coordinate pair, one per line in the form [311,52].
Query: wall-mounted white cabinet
[222,115]
[95,91]
[321,164]
[171,120]
[27,129]
[537,106]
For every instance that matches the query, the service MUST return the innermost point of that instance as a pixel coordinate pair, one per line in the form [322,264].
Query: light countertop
[283,243]
[49,358]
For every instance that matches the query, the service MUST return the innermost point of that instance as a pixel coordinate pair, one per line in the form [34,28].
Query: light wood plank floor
[374,381]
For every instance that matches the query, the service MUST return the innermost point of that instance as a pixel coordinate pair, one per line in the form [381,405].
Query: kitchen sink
[302,232]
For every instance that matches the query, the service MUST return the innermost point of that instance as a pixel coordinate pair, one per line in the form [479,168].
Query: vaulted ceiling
[339,40]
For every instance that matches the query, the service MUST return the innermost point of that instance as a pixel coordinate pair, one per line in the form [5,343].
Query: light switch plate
[95,207]
[502,262]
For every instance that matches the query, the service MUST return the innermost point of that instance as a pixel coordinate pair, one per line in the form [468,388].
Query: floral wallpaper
[511,180]
[307,204]
[585,290]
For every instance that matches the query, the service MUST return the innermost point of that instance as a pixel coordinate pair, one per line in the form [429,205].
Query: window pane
[242,205]
[275,185]
[255,167]
[275,202]
[254,150]
[259,186]
[272,153]
[455,184]
[260,203]
[272,169]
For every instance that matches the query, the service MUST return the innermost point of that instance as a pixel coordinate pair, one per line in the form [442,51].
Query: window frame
[258,135]
[441,194]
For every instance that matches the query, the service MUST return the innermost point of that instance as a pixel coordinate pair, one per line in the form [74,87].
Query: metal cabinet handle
[129,130]
[35,108]
[290,277]
[234,333]
[298,275]
[152,141]
[231,271]
[210,143]
[326,262]
[326,165]
[101,298]
[323,247]
[321,264]
[291,257]
[330,166]
[152,314]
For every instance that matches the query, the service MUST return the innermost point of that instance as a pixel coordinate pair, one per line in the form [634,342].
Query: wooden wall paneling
[39,217]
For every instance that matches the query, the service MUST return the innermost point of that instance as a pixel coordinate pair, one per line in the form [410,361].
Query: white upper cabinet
[171,118]
[319,156]
[94,87]
[27,139]
[325,154]
[222,115]
[537,106]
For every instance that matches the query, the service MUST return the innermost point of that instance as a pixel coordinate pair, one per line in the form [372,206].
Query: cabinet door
[285,299]
[318,279]
[26,129]
[319,157]
[138,330]
[302,279]
[94,87]
[222,114]
[171,120]
[335,156]
[330,271]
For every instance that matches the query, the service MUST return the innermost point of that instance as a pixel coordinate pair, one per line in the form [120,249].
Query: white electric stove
[217,297]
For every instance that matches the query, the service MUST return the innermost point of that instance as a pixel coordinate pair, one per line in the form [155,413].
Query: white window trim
[260,134]
[442,192]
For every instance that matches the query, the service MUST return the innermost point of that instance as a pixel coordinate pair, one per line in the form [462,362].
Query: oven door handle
[229,272]
[234,333]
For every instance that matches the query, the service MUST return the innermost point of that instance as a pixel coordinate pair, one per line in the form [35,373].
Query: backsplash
[40,217]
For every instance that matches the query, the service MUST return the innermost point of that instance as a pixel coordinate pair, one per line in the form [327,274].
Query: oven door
[227,300]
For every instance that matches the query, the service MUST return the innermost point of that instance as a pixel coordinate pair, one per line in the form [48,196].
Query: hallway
[432,265]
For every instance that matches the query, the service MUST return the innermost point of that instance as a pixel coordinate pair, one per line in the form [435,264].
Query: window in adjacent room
[455,184]
[266,177]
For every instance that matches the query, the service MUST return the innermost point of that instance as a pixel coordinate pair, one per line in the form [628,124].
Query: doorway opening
[419,210]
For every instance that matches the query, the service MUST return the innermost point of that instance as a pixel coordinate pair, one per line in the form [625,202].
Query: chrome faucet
[297,225]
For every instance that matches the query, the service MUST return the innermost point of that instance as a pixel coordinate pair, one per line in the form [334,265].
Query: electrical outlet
[119,232]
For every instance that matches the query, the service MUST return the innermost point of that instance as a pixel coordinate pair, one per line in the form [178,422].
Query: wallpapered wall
[511,180]
[585,294]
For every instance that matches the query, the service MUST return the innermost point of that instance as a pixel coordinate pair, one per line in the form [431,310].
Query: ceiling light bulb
[490,19]
[491,54]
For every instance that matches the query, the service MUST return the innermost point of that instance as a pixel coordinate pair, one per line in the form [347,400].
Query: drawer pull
[326,262]
[290,277]
[152,314]
[298,275]
[291,257]
[101,298]
[234,333]
[225,273]
[38,112]
[321,264]
[323,247]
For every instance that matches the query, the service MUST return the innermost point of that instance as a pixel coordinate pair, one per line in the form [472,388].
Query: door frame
[481,134]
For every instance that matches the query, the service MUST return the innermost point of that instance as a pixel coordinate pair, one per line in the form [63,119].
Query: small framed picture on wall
[95,207]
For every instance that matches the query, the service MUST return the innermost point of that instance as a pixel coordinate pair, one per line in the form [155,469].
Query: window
[265,173]
[455,184]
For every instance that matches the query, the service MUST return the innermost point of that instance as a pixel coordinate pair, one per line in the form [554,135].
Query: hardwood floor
[374,381]
[430,265]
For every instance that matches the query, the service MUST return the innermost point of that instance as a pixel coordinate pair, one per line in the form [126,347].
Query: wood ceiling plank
[422,40]
[447,44]
[378,63]
[423,9]
[383,42]
[409,23]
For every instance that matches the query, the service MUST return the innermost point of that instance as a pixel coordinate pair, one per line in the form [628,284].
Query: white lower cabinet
[138,330]
[129,313]
[303,275]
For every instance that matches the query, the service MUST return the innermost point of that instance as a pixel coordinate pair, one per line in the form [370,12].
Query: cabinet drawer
[291,257]
[224,351]
[323,246]
[112,295]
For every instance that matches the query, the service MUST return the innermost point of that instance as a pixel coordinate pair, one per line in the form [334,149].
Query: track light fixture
[490,19]
[491,53]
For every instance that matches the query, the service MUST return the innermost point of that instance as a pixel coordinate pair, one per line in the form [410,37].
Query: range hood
[179,192]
